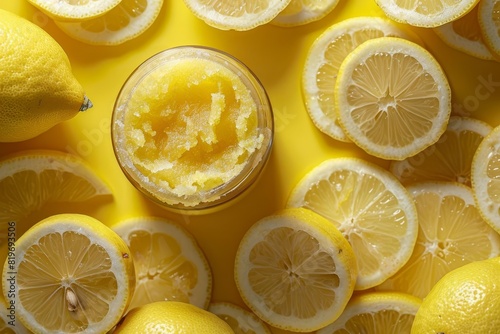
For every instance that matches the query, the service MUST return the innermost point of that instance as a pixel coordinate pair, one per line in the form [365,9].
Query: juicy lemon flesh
[468,26]
[335,53]
[395,109]
[451,234]
[493,184]
[358,212]
[162,272]
[427,7]
[240,320]
[61,264]
[449,159]
[117,18]
[236,8]
[202,116]
[293,260]
[27,191]
[383,321]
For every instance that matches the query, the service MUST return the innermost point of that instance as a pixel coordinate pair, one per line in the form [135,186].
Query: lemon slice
[393,98]
[450,232]
[240,320]
[236,14]
[485,177]
[369,206]
[425,13]
[464,34]
[376,312]
[169,264]
[300,12]
[295,270]
[449,159]
[31,179]
[323,61]
[489,21]
[71,10]
[71,274]
[126,21]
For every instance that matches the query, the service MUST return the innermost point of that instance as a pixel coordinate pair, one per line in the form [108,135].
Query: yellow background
[276,55]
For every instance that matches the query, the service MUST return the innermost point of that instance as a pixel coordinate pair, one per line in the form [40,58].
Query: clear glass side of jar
[226,193]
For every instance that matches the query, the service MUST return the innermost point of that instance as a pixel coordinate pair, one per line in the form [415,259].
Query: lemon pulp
[189,126]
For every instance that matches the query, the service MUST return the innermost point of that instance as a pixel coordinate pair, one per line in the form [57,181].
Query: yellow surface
[276,55]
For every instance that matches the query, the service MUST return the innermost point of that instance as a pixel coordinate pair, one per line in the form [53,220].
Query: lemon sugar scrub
[192,128]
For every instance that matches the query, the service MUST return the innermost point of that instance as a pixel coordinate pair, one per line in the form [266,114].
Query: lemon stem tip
[87,104]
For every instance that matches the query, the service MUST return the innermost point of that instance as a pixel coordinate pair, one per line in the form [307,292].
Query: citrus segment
[466,293]
[169,264]
[236,14]
[295,270]
[126,21]
[464,34]
[31,179]
[489,22]
[369,206]
[376,312]
[486,178]
[73,274]
[323,61]
[171,317]
[450,230]
[72,10]
[425,13]
[300,12]
[392,97]
[240,320]
[449,159]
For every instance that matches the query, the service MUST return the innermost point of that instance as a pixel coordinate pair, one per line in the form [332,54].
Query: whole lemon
[466,300]
[171,317]
[37,87]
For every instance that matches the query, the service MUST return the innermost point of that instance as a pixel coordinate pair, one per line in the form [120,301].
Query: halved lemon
[300,12]
[450,158]
[169,263]
[236,14]
[31,179]
[126,21]
[486,178]
[323,61]
[464,34]
[240,320]
[426,13]
[489,22]
[295,270]
[392,97]
[376,312]
[451,233]
[71,274]
[371,209]
[71,10]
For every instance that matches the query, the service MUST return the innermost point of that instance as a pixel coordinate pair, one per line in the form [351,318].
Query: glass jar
[192,129]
